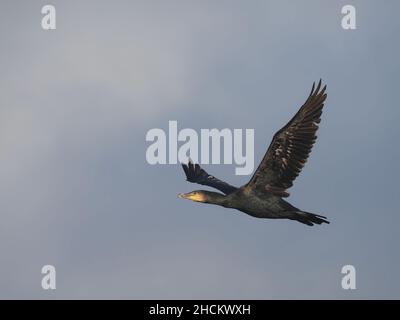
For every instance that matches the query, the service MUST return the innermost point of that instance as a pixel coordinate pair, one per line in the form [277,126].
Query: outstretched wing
[290,147]
[194,173]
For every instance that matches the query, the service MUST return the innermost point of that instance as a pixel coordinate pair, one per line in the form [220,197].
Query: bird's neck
[217,198]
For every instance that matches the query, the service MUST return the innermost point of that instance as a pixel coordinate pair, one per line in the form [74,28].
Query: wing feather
[194,173]
[290,147]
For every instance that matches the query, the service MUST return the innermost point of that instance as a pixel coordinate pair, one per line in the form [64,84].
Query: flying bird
[262,196]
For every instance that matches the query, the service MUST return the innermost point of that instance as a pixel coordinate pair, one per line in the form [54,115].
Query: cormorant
[262,196]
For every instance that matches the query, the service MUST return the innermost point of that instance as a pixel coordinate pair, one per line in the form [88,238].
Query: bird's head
[198,196]
[205,196]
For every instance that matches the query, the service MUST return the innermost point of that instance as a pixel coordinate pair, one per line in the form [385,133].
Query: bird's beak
[191,196]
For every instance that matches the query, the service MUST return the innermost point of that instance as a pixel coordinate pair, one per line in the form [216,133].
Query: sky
[76,191]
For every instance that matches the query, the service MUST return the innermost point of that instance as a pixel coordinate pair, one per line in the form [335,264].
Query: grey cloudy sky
[76,191]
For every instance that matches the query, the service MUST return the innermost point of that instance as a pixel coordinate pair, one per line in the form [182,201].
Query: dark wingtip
[320,83]
[185,168]
[318,86]
[312,88]
[190,165]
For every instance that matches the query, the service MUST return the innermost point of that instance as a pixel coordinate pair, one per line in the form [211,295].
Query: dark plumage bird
[262,196]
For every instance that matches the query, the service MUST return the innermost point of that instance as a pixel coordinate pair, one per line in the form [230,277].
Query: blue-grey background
[76,191]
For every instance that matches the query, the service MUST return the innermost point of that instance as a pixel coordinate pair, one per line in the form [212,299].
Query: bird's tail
[309,218]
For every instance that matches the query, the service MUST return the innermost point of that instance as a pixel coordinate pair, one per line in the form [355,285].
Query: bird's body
[262,196]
